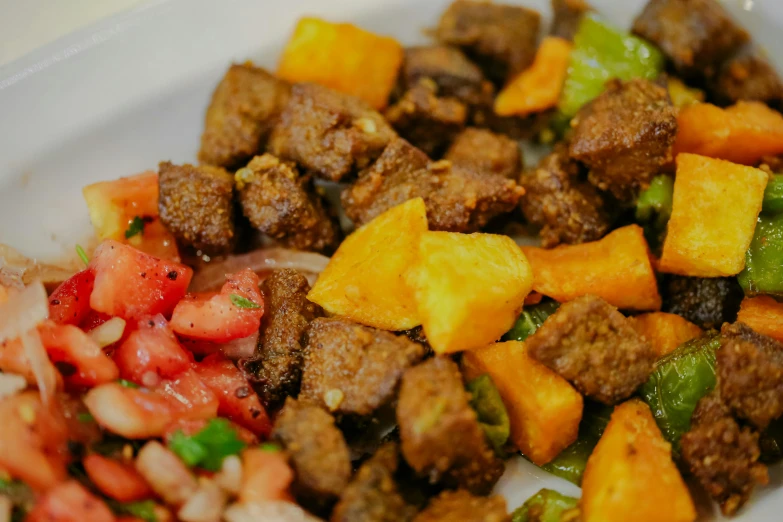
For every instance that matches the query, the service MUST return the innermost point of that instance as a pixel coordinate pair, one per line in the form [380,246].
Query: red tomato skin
[115,479]
[70,302]
[69,501]
[93,320]
[132,285]
[214,317]
[238,402]
[188,397]
[152,348]
[68,346]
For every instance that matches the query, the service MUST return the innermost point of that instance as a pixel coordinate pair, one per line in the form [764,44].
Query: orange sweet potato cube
[665,332]
[343,57]
[763,314]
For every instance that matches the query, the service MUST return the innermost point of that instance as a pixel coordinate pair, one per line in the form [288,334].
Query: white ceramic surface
[122,95]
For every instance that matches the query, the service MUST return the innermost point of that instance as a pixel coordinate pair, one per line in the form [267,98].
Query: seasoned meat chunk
[501,38]
[284,205]
[244,108]
[707,302]
[452,72]
[457,199]
[276,369]
[331,133]
[460,505]
[484,151]
[196,204]
[567,209]
[696,35]
[428,121]
[721,455]
[748,75]
[567,16]
[318,452]
[750,374]
[372,495]
[354,369]
[625,136]
[440,434]
[595,347]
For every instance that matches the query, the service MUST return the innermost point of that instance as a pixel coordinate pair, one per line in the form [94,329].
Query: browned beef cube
[625,136]
[372,495]
[455,75]
[354,369]
[244,108]
[460,505]
[440,434]
[196,204]
[501,38]
[748,75]
[696,35]
[721,455]
[567,209]
[595,347]
[484,151]
[428,121]
[707,302]
[515,127]
[567,16]
[457,199]
[750,374]
[331,133]
[276,370]
[318,452]
[284,205]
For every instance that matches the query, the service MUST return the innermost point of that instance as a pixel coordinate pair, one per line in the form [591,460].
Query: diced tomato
[93,320]
[191,427]
[33,440]
[132,285]
[238,401]
[189,397]
[153,350]
[214,317]
[129,412]
[70,302]
[79,359]
[70,502]
[266,475]
[116,479]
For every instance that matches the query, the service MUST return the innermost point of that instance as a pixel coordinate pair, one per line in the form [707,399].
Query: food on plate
[364,298]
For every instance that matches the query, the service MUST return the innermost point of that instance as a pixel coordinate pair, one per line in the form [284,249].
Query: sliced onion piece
[205,505]
[11,384]
[43,369]
[23,311]
[230,475]
[17,270]
[109,332]
[212,276]
[166,474]
[270,511]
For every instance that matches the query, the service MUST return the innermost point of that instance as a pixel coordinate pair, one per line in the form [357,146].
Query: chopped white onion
[240,348]
[230,475]
[205,505]
[212,276]
[10,385]
[109,332]
[42,367]
[17,270]
[23,311]
[166,474]
[6,508]
[269,511]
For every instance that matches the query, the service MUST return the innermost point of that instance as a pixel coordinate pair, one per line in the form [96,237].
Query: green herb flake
[207,448]
[136,227]
[85,417]
[127,384]
[82,255]
[144,509]
[269,446]
[243,302]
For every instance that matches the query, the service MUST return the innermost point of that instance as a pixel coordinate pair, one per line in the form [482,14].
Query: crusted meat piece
[722,455]
[484,151]
[750,374]
[354,369]
[244,108]
[276,369]
[500,38]
[427,120]
[440,434]
[328,132]
[196,204]
[460,505]
[707,302]
[747,75]
[595,347]
[696,35]
[372,495]
[284,205]
[457,199]
[567,210]
[317,450]
[625,136]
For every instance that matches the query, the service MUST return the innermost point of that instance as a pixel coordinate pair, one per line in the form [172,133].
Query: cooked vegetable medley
[330,316]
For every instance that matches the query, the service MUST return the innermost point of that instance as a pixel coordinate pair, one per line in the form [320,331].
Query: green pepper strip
[491,412]
[545,506]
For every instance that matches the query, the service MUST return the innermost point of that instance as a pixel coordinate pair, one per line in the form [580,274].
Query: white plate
[119,97]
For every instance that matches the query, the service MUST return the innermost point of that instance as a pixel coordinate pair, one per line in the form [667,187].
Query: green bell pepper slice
[530,320]
[545,506]
[492,415]
[763,273]
[773,196]
[654,208]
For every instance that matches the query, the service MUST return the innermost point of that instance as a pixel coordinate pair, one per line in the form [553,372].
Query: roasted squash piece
[543,408]
[631,475]
[715,207]
[469,288]
[343,57]
[665,332]
[365,279]
[763,314]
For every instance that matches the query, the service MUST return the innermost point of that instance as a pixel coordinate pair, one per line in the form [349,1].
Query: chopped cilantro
[82,254]
[207,448]
[243,302]
[269,446]
[144,509]
[136,227]
[85,417]
[127,384]
[189,450]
